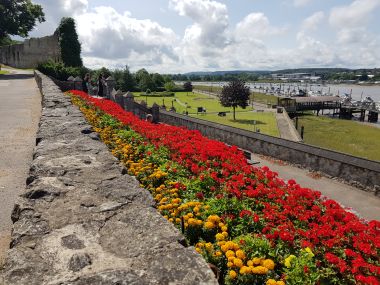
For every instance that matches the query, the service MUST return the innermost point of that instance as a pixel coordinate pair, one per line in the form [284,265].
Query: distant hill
[265,72]
[312,70]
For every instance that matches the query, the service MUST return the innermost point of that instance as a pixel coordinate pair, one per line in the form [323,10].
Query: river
[358,91]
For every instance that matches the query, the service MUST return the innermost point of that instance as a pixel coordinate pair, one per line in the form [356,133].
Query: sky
[178,36]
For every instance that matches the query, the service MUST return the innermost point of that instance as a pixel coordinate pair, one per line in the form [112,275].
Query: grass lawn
[342,135]
[264,98]
[255,96]
[266,122]
[3,72]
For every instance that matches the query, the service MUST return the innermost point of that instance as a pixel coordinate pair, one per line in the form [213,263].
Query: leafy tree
[129,82]
[18,17]
[188,87]
[144,80]
[169,86]
[235,94]
[69,43]
[158,80]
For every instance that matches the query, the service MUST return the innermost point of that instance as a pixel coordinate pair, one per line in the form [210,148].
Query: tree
[69,43]
[158,80]
[188,87]
[235,94]
[18,17]
[129,82]
[169,86]
[144,80]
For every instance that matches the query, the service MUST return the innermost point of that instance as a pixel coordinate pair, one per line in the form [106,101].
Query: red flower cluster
[291,214]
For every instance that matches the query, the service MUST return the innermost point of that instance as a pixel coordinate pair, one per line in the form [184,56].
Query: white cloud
[109,35]
[300,3]
[114,38]
[356,14]
[311,23]
[256,25]
[54,11]
[210,21]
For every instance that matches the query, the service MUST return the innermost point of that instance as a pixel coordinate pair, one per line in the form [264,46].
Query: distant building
[295,77]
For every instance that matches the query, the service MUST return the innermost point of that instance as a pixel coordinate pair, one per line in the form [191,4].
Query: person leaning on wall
[101,83]
[86,83]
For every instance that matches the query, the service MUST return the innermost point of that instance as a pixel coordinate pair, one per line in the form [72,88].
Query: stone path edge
[82,220]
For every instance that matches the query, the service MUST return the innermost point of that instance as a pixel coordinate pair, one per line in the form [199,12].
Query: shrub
[60,71]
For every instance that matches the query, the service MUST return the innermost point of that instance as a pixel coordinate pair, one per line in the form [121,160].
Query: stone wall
[82,220]
[31,52]
[358,171]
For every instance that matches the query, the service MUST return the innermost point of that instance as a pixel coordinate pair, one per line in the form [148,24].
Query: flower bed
[253,226]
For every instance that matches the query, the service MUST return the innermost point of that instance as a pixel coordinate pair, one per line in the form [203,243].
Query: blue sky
[197,35]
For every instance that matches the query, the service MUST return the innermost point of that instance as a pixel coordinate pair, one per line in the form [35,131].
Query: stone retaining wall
[82,220]
[357,171]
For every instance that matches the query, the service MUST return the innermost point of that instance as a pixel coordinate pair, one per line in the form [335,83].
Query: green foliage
[18,17]
[144,80]
[8,41]
[301,270]
[69,43]
[235,94]
[169,86]
[128,81]
[60,71]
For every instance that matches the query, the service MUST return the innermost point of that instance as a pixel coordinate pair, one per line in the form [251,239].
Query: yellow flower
[249,263]
[244,270]
[218,253]
[224,228]
[232,274]
[230,264]
[209,225]
[208,246]
[214,219]
[231,258]
[240,254]
[238,262]
[288,260]
[280,283]
[262,270]
[271,282]
[219,236]
[256,260]
[268,263]
[230,253]
[309,251]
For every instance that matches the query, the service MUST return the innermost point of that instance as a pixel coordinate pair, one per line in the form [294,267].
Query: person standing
[86,83]
[100,84]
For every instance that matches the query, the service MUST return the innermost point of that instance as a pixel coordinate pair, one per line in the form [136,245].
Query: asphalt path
[20,109]
[364,204]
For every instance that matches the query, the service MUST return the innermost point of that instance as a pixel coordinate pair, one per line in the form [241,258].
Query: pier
[294,105]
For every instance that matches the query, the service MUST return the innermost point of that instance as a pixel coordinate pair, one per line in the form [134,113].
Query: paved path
[19,116]
[365,204]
